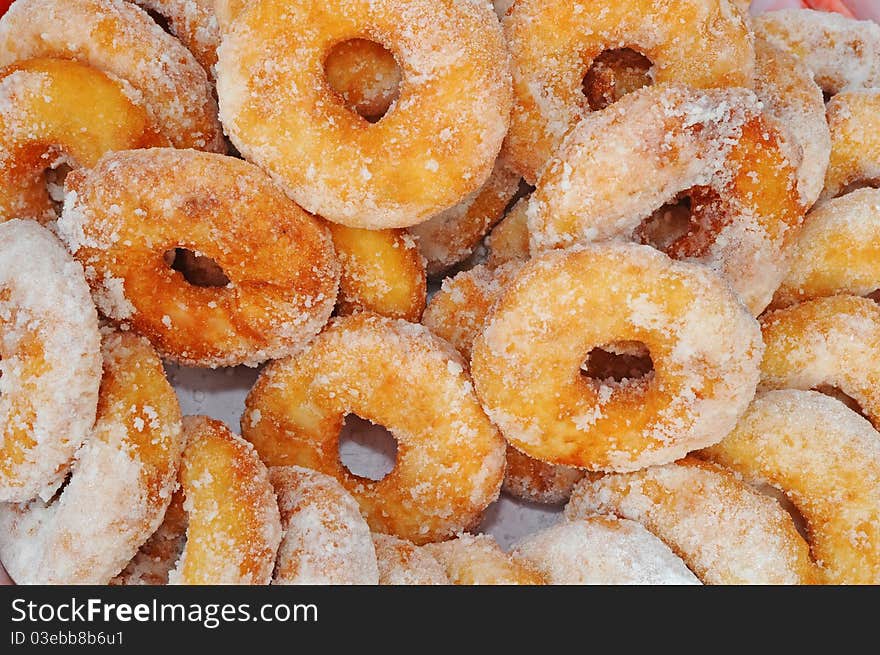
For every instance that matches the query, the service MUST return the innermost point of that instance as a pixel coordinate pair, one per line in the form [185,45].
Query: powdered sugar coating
[479,560]
[120,39]
[843,53]
[156,559]
[825,458]
[827,342]
[51,361]
[838,251]
[700,43]
[194,23]
[403,563]
[724,531]
[527,362]
[122,216]
[326,540]
[603,550]
[123,479]
[450,458]
[855,140]
[714,146]
[437,144]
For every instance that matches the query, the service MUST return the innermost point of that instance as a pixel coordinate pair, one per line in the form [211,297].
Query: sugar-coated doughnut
[855,141]
[437,144]
[479,560]
[535,481]
[156,559]
[55,111]
[792,98]
[561,305]
[401,562]
[194,23]
[726,532]
[50,361]
[121,40]
[838,251]
[842,53]
[326,540]
[122,481]
[603,550]
[452,236]
[450,458]
[509,241]
[123,215]
[714,146]
[825,458]
[698,43]
[382,272]
[828,342]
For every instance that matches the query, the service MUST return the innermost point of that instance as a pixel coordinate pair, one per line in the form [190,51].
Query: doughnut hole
[198,270]
[367,450]
[365,76]
[613,74]
[686,226]
[54,177]
[845,398]
[666,225]
[622,363]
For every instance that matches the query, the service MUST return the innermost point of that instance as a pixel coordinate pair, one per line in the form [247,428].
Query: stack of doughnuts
[616,258]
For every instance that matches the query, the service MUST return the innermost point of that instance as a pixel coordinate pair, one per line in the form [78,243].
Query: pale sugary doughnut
[48,117]
[828,342]
[437,144]
[120,39]
[156,559]
[326,540]
[527,362]
[123,215]
[699,43]
[479,560]
[726,532]
[50,360]
[450,458]
[838,251]
[122,481]
[603,550]
[855,141]
[401,562]
[714,146]
[825,458]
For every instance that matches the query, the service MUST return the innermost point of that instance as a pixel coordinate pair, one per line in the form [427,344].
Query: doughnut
[156,559]
[553,44]
[452,236]
[479,560]
[437,144]
[403,563]
[526,364]
[450,458]
[122,481]
[326,540]
[123,215]
[121,40]
[366,75]
[715,147]
[509,241]
[614,74]
[726,532]
[382,272]
[842,53]
[50,361]
[48,117]
[828,342]
[825,458]
[603,550]
[792,98]
[538,482]
[855,144]
[193,22]
[838,251]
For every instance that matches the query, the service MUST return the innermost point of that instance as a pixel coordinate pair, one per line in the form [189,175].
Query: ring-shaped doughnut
[698,43]
[527,362]
[121,40]
[855,141]
[438,143]
[122,481]
[450,458]
[50,359]
[825,458]
[710,518]
[479,560]
[123,215]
